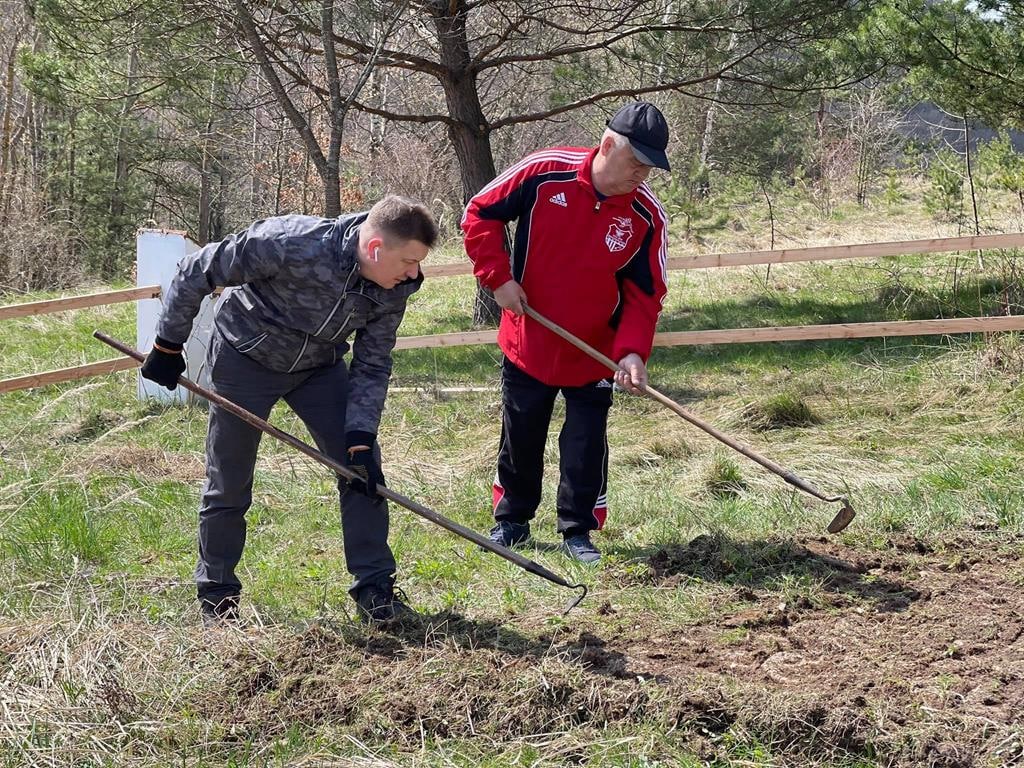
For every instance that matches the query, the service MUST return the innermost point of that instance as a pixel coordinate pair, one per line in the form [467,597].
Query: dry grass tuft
[1004,354]
[148,462]
[91,427]
[780,411]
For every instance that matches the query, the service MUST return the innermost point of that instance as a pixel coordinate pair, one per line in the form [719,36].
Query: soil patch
[912,654]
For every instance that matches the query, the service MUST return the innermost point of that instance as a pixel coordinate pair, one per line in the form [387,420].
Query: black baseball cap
[643,124]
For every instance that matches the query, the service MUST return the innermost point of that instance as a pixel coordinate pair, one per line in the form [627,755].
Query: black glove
[363,463]
[164,363]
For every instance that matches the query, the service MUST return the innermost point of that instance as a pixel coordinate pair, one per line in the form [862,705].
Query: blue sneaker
[510,534]
[579,547]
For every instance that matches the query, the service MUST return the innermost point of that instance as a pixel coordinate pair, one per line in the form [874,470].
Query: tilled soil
[906,653]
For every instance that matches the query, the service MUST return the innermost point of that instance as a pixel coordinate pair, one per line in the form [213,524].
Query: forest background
[205,116]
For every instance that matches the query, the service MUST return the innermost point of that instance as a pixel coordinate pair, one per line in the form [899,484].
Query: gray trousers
[318,397]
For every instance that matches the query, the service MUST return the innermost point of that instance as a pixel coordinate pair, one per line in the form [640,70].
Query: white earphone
[376,254]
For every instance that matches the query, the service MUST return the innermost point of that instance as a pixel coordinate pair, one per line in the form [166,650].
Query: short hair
[618,138]
[403,219]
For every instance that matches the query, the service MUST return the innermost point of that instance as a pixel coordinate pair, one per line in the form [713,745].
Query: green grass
[98,495]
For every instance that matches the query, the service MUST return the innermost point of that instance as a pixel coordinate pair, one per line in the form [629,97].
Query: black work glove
[164,363]
[363,463]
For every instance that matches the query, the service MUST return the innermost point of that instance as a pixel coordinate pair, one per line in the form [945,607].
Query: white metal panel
[158,253]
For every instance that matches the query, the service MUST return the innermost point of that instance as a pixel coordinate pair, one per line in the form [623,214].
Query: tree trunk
[332,190]
[336,116]
[6,164]
[278,169]
[204,182]
[115,227]
[305,180]
[217,217]
[470,133]
[72,163]
[970,176]
[379,98]
[206,163]
[203,235]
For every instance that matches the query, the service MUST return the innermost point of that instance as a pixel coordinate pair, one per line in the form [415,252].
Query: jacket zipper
[343,325]
[344,293]
[298,357]
[330,315]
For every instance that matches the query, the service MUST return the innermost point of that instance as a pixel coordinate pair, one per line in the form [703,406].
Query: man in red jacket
[589,253]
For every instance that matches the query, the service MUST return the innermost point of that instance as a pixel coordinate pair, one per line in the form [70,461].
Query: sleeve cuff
[171,346]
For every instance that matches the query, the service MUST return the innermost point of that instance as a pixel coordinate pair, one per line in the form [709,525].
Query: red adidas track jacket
[594,267]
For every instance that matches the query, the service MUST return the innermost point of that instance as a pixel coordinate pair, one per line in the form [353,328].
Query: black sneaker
[219,611]
[580,547]
[510,534]
[378,604]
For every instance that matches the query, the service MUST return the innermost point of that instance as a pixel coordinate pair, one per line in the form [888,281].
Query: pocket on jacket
[250,344]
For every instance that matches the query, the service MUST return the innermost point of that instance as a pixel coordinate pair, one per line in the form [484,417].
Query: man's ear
[372,245]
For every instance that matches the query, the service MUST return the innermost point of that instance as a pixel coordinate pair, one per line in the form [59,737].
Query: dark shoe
[378,604]
[580,547]
[219,612]
[510,534]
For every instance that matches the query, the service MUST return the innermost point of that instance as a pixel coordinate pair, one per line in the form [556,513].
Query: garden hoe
[843,517]
[339,468]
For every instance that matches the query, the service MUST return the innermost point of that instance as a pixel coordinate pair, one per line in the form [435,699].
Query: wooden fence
[79,302]
[700,261]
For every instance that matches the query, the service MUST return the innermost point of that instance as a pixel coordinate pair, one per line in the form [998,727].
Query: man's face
[622,172]
[389,261]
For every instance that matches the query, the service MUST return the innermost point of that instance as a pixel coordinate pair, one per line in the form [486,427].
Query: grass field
[722,627]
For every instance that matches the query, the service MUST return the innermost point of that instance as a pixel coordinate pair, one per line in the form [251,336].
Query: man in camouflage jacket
[297,288]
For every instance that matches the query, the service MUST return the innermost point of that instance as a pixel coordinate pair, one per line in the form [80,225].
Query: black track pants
[527,403]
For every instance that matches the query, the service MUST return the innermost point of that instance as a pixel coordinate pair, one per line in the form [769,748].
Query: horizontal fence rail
[11,311]
[771,333]
[859,251]
[67,374]
[842,331]
[668,339]
[815,253]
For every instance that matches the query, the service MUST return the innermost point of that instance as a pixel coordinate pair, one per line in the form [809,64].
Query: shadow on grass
[449,633]
[786,567]
[451,629]
[891,302]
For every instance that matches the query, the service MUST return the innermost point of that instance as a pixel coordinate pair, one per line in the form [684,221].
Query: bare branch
[404,118]
[619,93]
[248,25]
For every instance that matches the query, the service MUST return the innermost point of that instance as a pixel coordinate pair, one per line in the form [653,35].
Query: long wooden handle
[846,514]
[424,512]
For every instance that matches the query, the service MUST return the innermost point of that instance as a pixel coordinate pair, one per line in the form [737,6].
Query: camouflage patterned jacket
[294,298]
